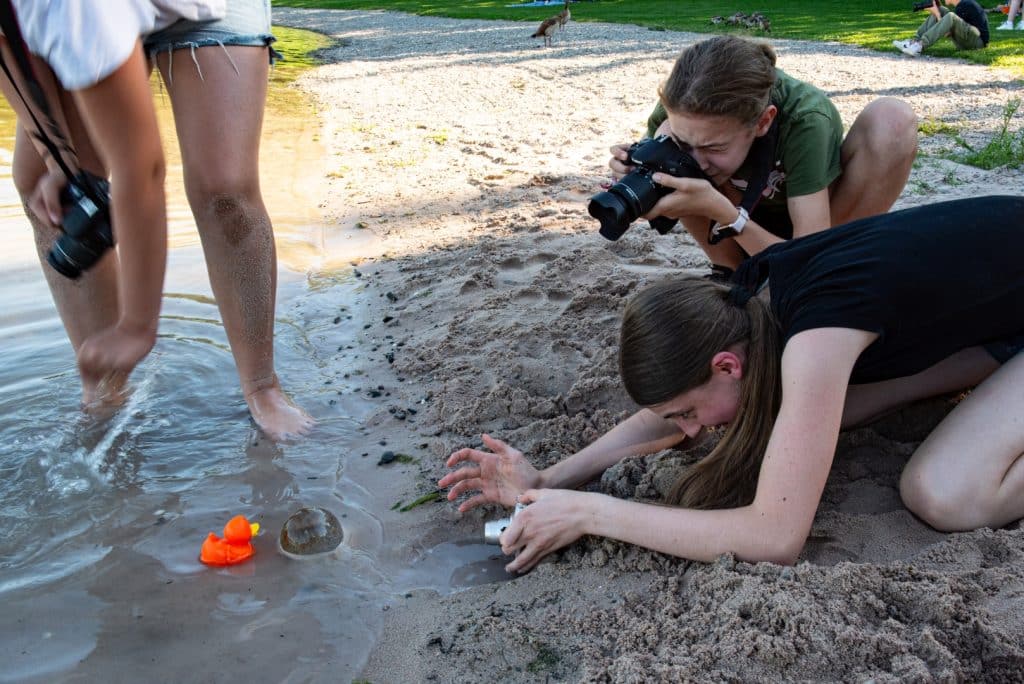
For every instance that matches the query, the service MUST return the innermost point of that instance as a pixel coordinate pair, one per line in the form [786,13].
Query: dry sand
[469,152]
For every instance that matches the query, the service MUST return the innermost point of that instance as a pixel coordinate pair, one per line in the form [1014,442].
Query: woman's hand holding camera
[692,197]
[499,475]
[552,519]
[619,163]
[44,201]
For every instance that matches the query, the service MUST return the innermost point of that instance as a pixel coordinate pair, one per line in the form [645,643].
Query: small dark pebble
[390,356]
[387,457]
[366,327]
[373,394]
[391,297]
[337,320]
[411,410]
[387,319]
[400,415]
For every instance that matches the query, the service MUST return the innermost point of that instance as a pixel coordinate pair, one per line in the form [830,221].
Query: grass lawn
[870,23]
[298,47]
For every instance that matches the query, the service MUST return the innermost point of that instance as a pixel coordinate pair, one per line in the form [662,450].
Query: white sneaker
[908,47]
[1020,25]
[1006,26]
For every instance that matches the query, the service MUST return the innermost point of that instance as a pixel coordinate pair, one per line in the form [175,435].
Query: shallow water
[103,519]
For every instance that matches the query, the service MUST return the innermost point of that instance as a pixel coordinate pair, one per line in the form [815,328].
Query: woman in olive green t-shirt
[724,94]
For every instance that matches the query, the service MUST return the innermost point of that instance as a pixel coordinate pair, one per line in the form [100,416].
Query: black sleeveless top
[931,281]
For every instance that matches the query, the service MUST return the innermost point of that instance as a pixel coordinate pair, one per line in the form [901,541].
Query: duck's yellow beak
[255,527]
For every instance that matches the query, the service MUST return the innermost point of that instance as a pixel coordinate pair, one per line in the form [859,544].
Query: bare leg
[219,116]
[89,303]
[876,157]
[967,368]
[969,473]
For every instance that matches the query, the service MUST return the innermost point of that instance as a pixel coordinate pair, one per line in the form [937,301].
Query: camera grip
[663,224]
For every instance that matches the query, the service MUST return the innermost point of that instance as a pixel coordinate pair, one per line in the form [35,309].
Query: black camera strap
[762,156]
[9,24]
[761,159]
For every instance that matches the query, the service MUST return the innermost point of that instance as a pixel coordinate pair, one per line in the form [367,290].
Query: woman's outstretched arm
[816,367]
[503,473]
[118,112]
[644,432]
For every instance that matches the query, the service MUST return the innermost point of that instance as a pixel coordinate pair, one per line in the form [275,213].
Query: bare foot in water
[276,415]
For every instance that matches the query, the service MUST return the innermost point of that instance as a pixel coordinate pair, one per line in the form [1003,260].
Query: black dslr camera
[636,193]
[86,224]
[922,5]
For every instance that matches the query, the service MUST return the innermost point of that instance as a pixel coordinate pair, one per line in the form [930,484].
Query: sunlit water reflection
[102,519]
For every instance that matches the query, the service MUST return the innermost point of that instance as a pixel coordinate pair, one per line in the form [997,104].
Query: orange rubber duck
[235,547]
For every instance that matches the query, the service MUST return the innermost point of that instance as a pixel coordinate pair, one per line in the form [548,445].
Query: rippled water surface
[102,519]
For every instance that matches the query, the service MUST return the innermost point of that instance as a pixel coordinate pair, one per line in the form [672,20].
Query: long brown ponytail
[670,332]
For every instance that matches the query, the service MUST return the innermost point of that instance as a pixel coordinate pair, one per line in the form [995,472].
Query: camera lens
[612,212]
[70,256]
[61,262]
[86,225]
[625,202]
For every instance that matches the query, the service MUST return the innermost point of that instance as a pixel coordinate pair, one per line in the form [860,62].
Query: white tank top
[84,41]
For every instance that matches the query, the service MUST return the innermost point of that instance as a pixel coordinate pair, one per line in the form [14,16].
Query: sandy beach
[468,152]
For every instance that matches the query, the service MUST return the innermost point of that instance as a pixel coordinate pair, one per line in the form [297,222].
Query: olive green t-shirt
[807,152]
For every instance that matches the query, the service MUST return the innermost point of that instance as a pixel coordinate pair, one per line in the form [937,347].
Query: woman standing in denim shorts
[213,57]
[216,76]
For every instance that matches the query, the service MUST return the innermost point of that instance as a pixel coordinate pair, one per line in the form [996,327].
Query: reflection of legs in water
[218,114]
[89,303]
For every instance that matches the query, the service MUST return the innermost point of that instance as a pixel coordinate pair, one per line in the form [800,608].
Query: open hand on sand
[500,476]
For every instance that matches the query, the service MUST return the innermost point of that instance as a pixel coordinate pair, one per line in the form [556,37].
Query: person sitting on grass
[811,336]
[750,125]
[967,25]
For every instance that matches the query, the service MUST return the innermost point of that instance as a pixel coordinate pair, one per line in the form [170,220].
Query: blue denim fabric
[246,23]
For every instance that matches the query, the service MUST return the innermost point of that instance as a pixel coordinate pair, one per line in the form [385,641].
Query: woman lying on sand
[812,335]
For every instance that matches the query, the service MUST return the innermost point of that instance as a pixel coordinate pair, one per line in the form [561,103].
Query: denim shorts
[247,23]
